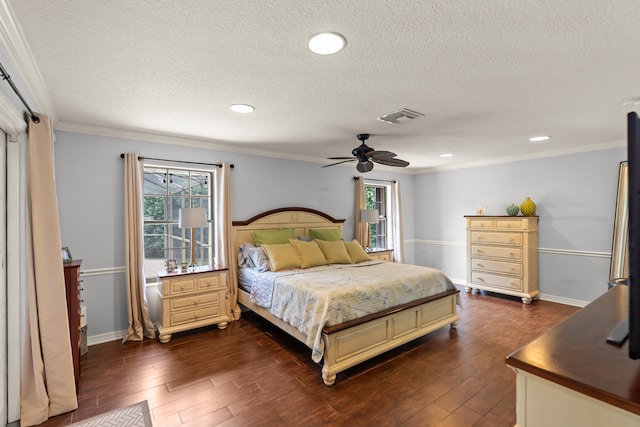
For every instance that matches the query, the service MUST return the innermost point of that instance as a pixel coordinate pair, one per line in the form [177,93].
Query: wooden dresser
[570,375]
[502,255]
[381,254]
[72,286]
[191,300]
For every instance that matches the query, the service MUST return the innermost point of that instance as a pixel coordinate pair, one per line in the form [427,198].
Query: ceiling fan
[366,156]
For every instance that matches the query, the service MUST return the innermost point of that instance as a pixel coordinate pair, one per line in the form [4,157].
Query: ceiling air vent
[400,116]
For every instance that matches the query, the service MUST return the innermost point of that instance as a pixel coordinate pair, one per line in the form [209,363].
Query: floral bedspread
[310,299]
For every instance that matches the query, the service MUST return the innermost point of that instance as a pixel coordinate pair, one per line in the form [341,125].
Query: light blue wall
[575,196]
[89,182]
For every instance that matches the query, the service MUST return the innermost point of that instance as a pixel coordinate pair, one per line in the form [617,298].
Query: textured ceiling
[487,74]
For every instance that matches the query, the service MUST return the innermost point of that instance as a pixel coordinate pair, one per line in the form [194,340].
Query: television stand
[619,334]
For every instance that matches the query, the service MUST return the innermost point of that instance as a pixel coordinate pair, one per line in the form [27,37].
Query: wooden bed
[352,342]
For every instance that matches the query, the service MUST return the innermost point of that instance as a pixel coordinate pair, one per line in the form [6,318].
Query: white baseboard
[563,300]
[109,336]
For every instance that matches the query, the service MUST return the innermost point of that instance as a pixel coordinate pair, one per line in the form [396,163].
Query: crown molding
[17,47]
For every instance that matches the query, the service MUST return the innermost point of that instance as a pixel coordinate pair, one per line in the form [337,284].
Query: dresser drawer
[180,286]
[482,224]
[217,281]
[497,252]
[497,266]
[195,315]
[198,300]
[514,239]
[504,282]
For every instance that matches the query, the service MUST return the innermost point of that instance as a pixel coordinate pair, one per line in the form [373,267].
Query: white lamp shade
[369,215]
[192,217]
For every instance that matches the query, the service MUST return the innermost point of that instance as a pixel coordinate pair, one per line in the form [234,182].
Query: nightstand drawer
[507,224]
[514,239]
[198,300]
[177,287]
[497,252]
[195,315]
[217,281]
[497,266]
[512,283]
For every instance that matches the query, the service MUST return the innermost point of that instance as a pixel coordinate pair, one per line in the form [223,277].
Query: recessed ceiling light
[326,43]
[242,108]
[446,155]
[539,138]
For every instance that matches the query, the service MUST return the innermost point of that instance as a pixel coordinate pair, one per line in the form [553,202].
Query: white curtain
[398,241]
[47,383]
[223,243]
[359,203]
[140,325]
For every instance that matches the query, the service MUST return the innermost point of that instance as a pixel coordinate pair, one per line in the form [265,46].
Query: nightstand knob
[480,279]
[480,265]
[479,251]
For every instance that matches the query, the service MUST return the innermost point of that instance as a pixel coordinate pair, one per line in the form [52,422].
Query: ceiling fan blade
[376,153]
[338,163]
[390,161]
[364,166]
[340,158]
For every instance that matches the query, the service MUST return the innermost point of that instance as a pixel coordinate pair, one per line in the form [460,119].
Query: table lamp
[192,218]
[370,216]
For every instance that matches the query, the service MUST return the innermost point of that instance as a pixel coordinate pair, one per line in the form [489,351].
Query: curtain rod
[371,179]
[181,161]
[5,76]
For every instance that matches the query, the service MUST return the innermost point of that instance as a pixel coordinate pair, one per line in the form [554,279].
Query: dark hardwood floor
[251,374]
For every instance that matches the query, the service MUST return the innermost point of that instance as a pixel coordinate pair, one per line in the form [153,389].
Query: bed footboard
[349,346]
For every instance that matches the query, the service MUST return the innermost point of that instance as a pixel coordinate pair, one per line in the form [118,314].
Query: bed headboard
[300,219]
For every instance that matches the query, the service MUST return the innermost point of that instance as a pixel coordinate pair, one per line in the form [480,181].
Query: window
[377,197]
[166,190]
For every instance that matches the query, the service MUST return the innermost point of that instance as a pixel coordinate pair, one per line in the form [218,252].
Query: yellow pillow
[356,252]
[282,257]
[309,253]
[326,234]
[334,252]
[272,237]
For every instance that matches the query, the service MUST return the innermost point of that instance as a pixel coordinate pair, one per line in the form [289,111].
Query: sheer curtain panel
[140,325]
[47,384]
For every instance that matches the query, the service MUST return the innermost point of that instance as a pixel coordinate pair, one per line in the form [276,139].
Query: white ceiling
[487,74]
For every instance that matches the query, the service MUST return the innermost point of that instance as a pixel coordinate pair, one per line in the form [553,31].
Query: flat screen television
[633,159]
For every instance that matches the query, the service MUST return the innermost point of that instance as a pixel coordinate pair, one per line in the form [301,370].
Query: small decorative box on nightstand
[191,300]
[502,255]
[381,254]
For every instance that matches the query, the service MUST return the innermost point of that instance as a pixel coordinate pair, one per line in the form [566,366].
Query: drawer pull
[512,284]
[511,239]
[511,269]
[182,287]
[480,265]
[479,251]
[480,279]
[511,253]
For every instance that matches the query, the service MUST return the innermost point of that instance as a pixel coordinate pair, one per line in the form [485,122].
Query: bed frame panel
[352,342]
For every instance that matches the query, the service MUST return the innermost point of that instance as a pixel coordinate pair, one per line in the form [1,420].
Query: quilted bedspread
[310,299]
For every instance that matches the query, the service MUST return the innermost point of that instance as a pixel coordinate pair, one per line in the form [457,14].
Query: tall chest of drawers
[191,300]
[502,255]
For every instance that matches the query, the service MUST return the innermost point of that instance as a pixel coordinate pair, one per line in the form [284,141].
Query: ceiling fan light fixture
[539,138]
[326,43]
[242,108]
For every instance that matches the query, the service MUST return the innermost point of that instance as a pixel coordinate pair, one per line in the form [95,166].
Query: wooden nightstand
[381,254]
[191,300]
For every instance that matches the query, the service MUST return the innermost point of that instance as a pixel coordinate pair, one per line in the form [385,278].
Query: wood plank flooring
[251,374]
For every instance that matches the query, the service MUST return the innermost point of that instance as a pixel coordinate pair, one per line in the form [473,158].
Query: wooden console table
[571,376]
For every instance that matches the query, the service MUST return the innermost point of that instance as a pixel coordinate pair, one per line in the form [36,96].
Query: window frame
[381,202]
[170,222]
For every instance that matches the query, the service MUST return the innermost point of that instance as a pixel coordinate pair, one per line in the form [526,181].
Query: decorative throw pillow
[309,253]
[282,257]
[272,237]
[335,252]
[258,259]
[356,252]
[326,234]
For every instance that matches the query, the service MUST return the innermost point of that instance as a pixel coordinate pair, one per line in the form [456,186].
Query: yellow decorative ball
[527,207]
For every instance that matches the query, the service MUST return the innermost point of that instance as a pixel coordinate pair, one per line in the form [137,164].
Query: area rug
[136,415]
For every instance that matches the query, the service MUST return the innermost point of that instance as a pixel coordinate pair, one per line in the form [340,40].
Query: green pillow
[272,237]
[326,234]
